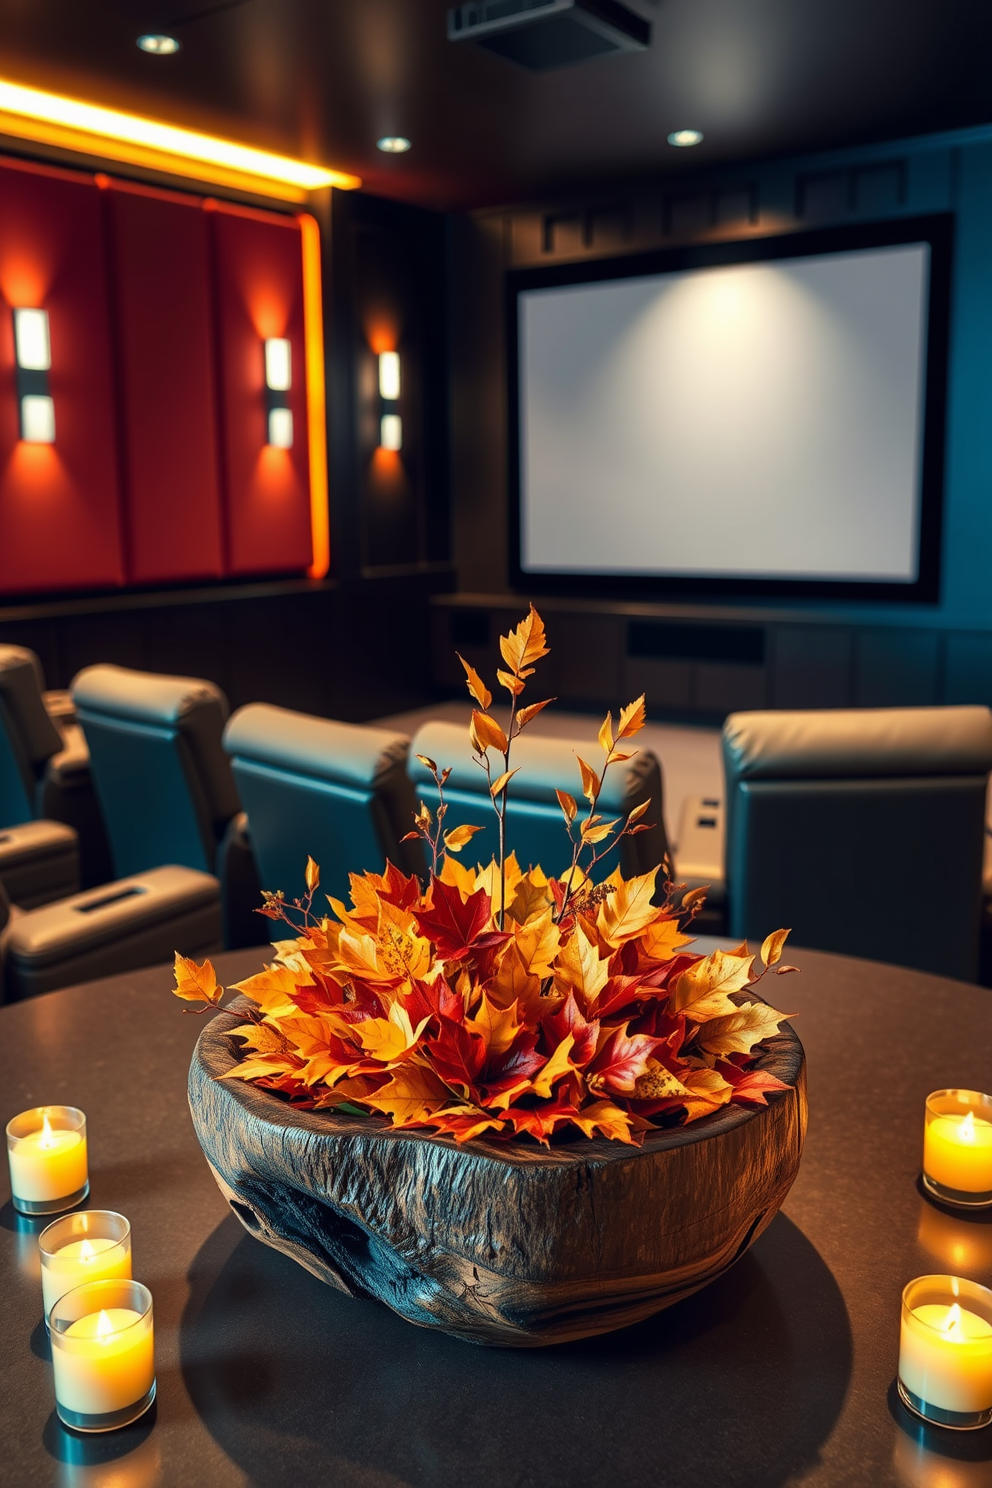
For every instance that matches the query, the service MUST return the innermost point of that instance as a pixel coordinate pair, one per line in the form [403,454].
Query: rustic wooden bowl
[510,1245]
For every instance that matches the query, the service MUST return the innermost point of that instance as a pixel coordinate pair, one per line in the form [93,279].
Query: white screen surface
[759,420]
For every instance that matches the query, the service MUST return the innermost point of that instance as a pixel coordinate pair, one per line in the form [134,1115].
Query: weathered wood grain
[510,1245]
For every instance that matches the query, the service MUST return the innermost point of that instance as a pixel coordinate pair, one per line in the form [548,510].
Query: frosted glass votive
[945,1351]
[103,1355]
[89,1245]
[957,1148]
[46,1149]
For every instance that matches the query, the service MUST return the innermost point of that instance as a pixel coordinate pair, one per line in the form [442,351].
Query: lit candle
[957,1147]
[46,1149]
[94,1245]
[945,1351]
[103,1354]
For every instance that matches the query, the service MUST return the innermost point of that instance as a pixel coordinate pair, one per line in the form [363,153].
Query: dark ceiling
[325,78]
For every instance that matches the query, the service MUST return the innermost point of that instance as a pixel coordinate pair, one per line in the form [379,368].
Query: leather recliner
[44,762]
[52,935]
[862,830]
[337,792]
[165,783]
[535,825]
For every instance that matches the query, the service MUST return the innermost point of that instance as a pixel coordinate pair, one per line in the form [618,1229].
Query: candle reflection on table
[83,1462]
[964,1245]
[26,1230]
[919,1462]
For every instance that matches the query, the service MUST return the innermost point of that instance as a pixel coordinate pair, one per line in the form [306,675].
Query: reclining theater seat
[862,830]
[44,764]
[337,792]
[534,821]
[137,921]
[165,783]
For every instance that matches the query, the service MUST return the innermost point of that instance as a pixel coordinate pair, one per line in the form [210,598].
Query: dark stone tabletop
[782,1372]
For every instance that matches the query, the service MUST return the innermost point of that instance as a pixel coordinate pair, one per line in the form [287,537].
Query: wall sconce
[33,352]
[390,422]
[278,381]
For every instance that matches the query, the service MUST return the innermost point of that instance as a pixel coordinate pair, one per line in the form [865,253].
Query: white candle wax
[945,1357]
[104,1362]
[47,1165]
[957,1152]
[96,1259]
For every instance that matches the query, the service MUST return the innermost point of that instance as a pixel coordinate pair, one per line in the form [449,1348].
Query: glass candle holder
[957,1148]
[945,1352]
[90,1245]
[103,1354]
[46,1149]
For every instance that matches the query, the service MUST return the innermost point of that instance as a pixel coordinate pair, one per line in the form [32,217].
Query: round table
[782,1372]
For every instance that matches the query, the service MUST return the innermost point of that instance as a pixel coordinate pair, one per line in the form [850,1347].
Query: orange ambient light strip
[51,118]
[313,333]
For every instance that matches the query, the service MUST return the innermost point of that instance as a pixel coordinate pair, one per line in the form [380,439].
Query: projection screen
[760,420]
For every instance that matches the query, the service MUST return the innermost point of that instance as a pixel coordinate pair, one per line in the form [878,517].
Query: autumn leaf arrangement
[500,1003]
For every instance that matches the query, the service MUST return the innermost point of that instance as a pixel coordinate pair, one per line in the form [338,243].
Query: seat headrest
[546,765]
[858,742]
[21,683]
[346,753]
[145,696]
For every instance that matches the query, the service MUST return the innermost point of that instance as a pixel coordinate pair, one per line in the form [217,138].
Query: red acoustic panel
[59,503]
[161,277]
[260,294]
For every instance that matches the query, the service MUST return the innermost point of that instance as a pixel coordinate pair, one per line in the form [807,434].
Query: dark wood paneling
[896,668]
[811,667]
[968,668]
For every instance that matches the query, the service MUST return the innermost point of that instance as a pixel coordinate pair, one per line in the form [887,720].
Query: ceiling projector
[542,34]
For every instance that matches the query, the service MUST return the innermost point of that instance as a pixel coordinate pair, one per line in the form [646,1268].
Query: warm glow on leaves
[196,983]
[498,1004]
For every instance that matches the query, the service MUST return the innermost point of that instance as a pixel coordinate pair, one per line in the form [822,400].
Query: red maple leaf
[456,926]
[750,1086]
[621,1061]
[568,1019]
[456,1054]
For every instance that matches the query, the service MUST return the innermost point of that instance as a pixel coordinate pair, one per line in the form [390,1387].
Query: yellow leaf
[476,686]
[456,839]
[389,1038]
[412,1093]
[631,719]
[663,939]
[707,1091]
[590,780]
[312,875]
[772,947]
[606,734]
[489,731]
[559,1065]
[607,1119]
[531,898]
[511,683]
[567,804]
[502,782]
[638,812]
[596,831]
[196,983]
[703,990]
[489,879]
[628,910]
[739,1031]
[525,645]
[427,763]
[270,989]
[459,876]
[531,711]
[498,1026]
[537,943]
[579,966]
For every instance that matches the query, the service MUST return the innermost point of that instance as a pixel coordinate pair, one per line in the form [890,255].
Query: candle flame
[952,1324]
[47,1139]
[104,1327]
[966,1131]
[85,1251]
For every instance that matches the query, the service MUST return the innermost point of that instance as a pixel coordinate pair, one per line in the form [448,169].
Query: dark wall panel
[167,390]
[59,503]
[259,277]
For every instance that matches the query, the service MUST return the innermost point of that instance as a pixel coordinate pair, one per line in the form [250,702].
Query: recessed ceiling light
[683,138]
[393,144]
[159,46]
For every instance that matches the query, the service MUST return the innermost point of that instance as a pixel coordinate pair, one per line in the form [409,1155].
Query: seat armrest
[241,886]
[699,851]
[39,862]
[59,706]
[71,765]
[134,922]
